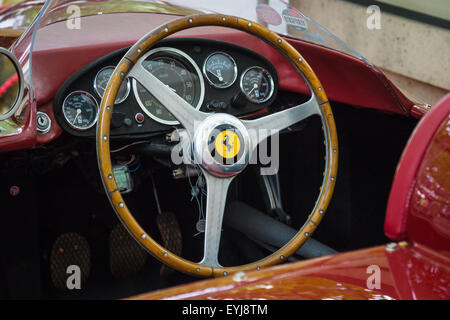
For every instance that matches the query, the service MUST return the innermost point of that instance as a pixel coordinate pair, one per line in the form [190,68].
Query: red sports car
[145,145]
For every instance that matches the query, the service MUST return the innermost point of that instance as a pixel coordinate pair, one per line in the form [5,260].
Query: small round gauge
[220,70]
[80,110]
[179,73]
[101,81]
[257,84]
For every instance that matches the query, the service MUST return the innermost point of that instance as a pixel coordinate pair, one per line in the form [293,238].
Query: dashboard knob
[139,117]
[43,122]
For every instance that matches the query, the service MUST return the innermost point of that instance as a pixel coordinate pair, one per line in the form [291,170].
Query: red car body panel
[423,178]
[428,221]
[409,272]
[27,138]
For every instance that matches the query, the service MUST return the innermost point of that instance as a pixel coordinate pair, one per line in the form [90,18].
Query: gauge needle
[215,75]
[171,88]
[76,116]
[254,87]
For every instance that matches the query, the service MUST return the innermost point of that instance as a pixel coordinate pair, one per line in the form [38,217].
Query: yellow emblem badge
[227,144]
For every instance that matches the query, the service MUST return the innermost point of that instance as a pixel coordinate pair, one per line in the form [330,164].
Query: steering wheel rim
[127,67]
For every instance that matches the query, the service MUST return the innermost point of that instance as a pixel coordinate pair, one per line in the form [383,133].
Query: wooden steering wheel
[199,126]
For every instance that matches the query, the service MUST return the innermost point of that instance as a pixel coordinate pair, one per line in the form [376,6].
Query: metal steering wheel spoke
[267,126]
[177,106]
[217,190]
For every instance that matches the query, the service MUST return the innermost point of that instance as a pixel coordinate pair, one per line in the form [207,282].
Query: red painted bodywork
[27,138]
[428,220]
[422,171]
[409,272]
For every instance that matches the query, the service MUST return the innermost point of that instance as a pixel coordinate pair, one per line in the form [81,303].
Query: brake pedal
[126,256]
[69,249]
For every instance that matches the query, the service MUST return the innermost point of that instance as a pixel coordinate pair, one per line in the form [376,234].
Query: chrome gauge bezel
[71,125]
[117,101]
[272,85]
[235,69]
[170,50]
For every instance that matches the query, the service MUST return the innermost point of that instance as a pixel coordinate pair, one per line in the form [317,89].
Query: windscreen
[277,15]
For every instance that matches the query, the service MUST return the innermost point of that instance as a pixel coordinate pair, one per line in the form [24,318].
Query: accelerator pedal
[69,249]
[126,256]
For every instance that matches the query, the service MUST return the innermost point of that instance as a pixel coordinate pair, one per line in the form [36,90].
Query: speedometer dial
[257,84]
[179,73]
[80,110]
[102,79]
[220,70]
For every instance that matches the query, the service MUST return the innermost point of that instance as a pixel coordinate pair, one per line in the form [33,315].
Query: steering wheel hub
[222,145]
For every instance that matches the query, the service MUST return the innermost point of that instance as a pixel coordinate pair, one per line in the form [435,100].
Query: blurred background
[412,46]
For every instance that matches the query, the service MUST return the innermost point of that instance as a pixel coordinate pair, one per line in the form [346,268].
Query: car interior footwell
[61,194]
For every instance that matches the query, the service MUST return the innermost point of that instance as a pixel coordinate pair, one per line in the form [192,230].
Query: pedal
[69,249]
[170,231]
[126,256]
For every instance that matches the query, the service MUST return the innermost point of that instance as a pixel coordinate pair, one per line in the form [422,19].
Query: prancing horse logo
[227,144]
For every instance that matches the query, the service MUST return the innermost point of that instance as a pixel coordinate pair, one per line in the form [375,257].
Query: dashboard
[346,80]
[212,76]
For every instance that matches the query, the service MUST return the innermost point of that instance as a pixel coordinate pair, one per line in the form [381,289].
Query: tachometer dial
[80,110]
[102,79]
[257,84]
[220,70]
[176,70]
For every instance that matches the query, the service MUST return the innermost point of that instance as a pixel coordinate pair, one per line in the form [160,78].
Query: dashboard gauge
[176,70]
[101,81]
[257,84]
[80,110]
[220,70]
